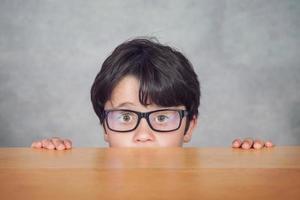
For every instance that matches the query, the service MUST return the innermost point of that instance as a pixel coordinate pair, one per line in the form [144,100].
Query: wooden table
[158,173]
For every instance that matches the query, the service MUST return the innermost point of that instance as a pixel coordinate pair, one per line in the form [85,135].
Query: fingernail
[236,144]
[268,144]
[246,146]
[257,146]
[60,147]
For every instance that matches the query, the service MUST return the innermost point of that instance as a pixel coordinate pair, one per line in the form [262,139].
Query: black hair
[166,76]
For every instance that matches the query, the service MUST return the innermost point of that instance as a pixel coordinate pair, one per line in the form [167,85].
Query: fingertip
[269,144]
[44,143]
[257,146]
[236,143]
[39,144]
[246,145]
[50,146]
[61,147]
[33,144]
[67,143]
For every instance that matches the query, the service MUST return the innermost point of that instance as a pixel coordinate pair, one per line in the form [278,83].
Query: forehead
[126,95]
[127,90]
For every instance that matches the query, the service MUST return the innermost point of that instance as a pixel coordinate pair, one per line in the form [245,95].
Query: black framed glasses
[164,120]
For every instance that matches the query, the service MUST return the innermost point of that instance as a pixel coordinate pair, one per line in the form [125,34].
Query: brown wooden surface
[161,173]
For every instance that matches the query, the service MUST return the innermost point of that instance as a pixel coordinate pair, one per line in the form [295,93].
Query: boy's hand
[53,143]
[249,143]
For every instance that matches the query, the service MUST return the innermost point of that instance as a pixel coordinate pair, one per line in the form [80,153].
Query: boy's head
[143,75]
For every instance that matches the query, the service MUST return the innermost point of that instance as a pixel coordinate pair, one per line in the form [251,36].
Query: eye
[125,117]
[161,118]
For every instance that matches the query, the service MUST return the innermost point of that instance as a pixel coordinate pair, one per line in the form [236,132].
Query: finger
[247,143]
[44,143]
[58,143]
[236,143]
[47,144]
[36,144]
[67,143]
[258,144]
[269,144]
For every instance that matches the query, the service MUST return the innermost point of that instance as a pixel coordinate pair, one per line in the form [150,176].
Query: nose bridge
[144,132]
[146,120]
[144,115]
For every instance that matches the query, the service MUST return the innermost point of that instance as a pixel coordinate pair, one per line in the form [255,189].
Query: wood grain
[153,173]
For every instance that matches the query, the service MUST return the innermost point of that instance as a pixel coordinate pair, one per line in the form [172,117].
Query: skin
[249,143]
[125,96]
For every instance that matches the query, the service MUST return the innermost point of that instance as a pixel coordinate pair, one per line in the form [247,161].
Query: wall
[246,54]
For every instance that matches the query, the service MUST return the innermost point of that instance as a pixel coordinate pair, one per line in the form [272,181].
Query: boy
[146,95]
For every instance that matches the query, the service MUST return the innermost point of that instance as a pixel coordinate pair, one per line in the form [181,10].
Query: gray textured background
[246,54]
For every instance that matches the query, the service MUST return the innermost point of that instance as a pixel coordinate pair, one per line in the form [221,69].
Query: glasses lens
[166,120]
[120,120]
